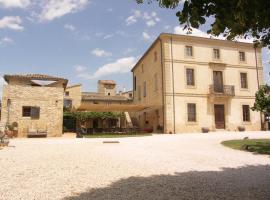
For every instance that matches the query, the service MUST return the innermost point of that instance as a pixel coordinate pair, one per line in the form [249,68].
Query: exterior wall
[50,101]
[106,89]
[75,94]
[149,71]
[204,64]
[176,94]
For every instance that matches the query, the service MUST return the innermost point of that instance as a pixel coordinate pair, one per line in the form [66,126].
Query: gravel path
[182,166]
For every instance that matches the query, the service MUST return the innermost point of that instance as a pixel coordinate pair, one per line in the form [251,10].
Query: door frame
[224,115]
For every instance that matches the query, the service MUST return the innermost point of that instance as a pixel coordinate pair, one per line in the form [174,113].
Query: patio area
[181,166]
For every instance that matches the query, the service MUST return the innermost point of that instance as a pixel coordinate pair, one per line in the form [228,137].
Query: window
[109,94]
[33,112]
[155,82]
[244,83]
[155,56]
[67,93]
[191,112]
[144,89]
[216,54]
[246,113]
[135,83]
[190,77]
[26,111]
[242,56]
[189,51]
[139,92]
[67,103]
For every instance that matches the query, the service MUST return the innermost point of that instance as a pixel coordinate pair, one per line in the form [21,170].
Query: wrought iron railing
[225,90]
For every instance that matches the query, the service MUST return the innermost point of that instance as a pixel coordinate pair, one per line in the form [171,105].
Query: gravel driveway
[181,166]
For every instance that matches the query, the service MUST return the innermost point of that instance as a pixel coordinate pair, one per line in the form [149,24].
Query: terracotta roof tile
[34,77]
[110,82]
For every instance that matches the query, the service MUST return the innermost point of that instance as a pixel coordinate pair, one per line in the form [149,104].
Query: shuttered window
[242,56]
[244,83]
[246,113]
[191,108]
[33,112]
[190,77]
[189,51]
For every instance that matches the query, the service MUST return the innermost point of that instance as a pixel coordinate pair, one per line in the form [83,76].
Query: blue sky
[81,40]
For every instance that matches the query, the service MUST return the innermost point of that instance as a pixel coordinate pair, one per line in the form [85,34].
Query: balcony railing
[222,90]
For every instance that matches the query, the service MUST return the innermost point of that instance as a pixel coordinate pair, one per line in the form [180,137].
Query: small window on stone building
[67,103]
[33,112]
[155,82]
[144,89]
[67,93]
[155,57]
[246,113]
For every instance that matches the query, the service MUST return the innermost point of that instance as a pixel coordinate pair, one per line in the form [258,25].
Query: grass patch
[116,135]
[258,146]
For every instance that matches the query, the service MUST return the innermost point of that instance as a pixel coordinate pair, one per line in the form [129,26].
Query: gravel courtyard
[181,166]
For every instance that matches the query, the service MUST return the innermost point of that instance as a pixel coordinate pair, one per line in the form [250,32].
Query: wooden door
[219,116]
[218,81]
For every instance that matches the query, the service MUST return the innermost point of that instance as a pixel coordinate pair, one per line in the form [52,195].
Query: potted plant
[241,128]
[205,129]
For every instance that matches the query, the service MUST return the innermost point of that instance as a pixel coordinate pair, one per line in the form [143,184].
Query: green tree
[231,17]
[262,100]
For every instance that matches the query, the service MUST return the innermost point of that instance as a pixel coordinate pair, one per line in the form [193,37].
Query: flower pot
[241,128]
[205,129]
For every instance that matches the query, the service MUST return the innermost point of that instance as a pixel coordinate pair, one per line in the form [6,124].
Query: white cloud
[57,8]
[128,51]
[120,66]
[196,32]
[150,19]
[108,36]
[14,3]
[11,22]
[151,23]
[69,27]
[5,41]
[79,68]
[101,53]
[146,36]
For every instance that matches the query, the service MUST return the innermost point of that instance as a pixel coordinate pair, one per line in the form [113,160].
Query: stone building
[35,103]
[189,82]
[106,99]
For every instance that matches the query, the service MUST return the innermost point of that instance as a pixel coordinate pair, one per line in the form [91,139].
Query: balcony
[222,90]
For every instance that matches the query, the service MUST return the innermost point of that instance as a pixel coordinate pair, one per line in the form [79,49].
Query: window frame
[214,54]
[33,113]
[242,59]
[144,89]
[186,51]
[193,82]
[246,116]
[246,80]
[191,114]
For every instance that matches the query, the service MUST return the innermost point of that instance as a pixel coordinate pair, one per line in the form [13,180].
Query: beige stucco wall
[204,64]
[147,70]
[75,94]
[50,101]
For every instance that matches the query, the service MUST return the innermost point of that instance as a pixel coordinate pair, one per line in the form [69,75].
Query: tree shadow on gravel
[245,183]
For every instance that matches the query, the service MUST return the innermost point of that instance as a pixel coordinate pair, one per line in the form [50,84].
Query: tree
[262,100]
[232,18]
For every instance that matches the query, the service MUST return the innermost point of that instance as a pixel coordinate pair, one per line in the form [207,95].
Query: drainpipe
[162,83]
[8,110]
[258,83]
[173,85]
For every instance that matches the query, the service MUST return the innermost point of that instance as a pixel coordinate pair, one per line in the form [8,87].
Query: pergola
[112,107]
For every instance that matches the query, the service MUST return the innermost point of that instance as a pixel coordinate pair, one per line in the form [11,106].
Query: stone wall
[50,101]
